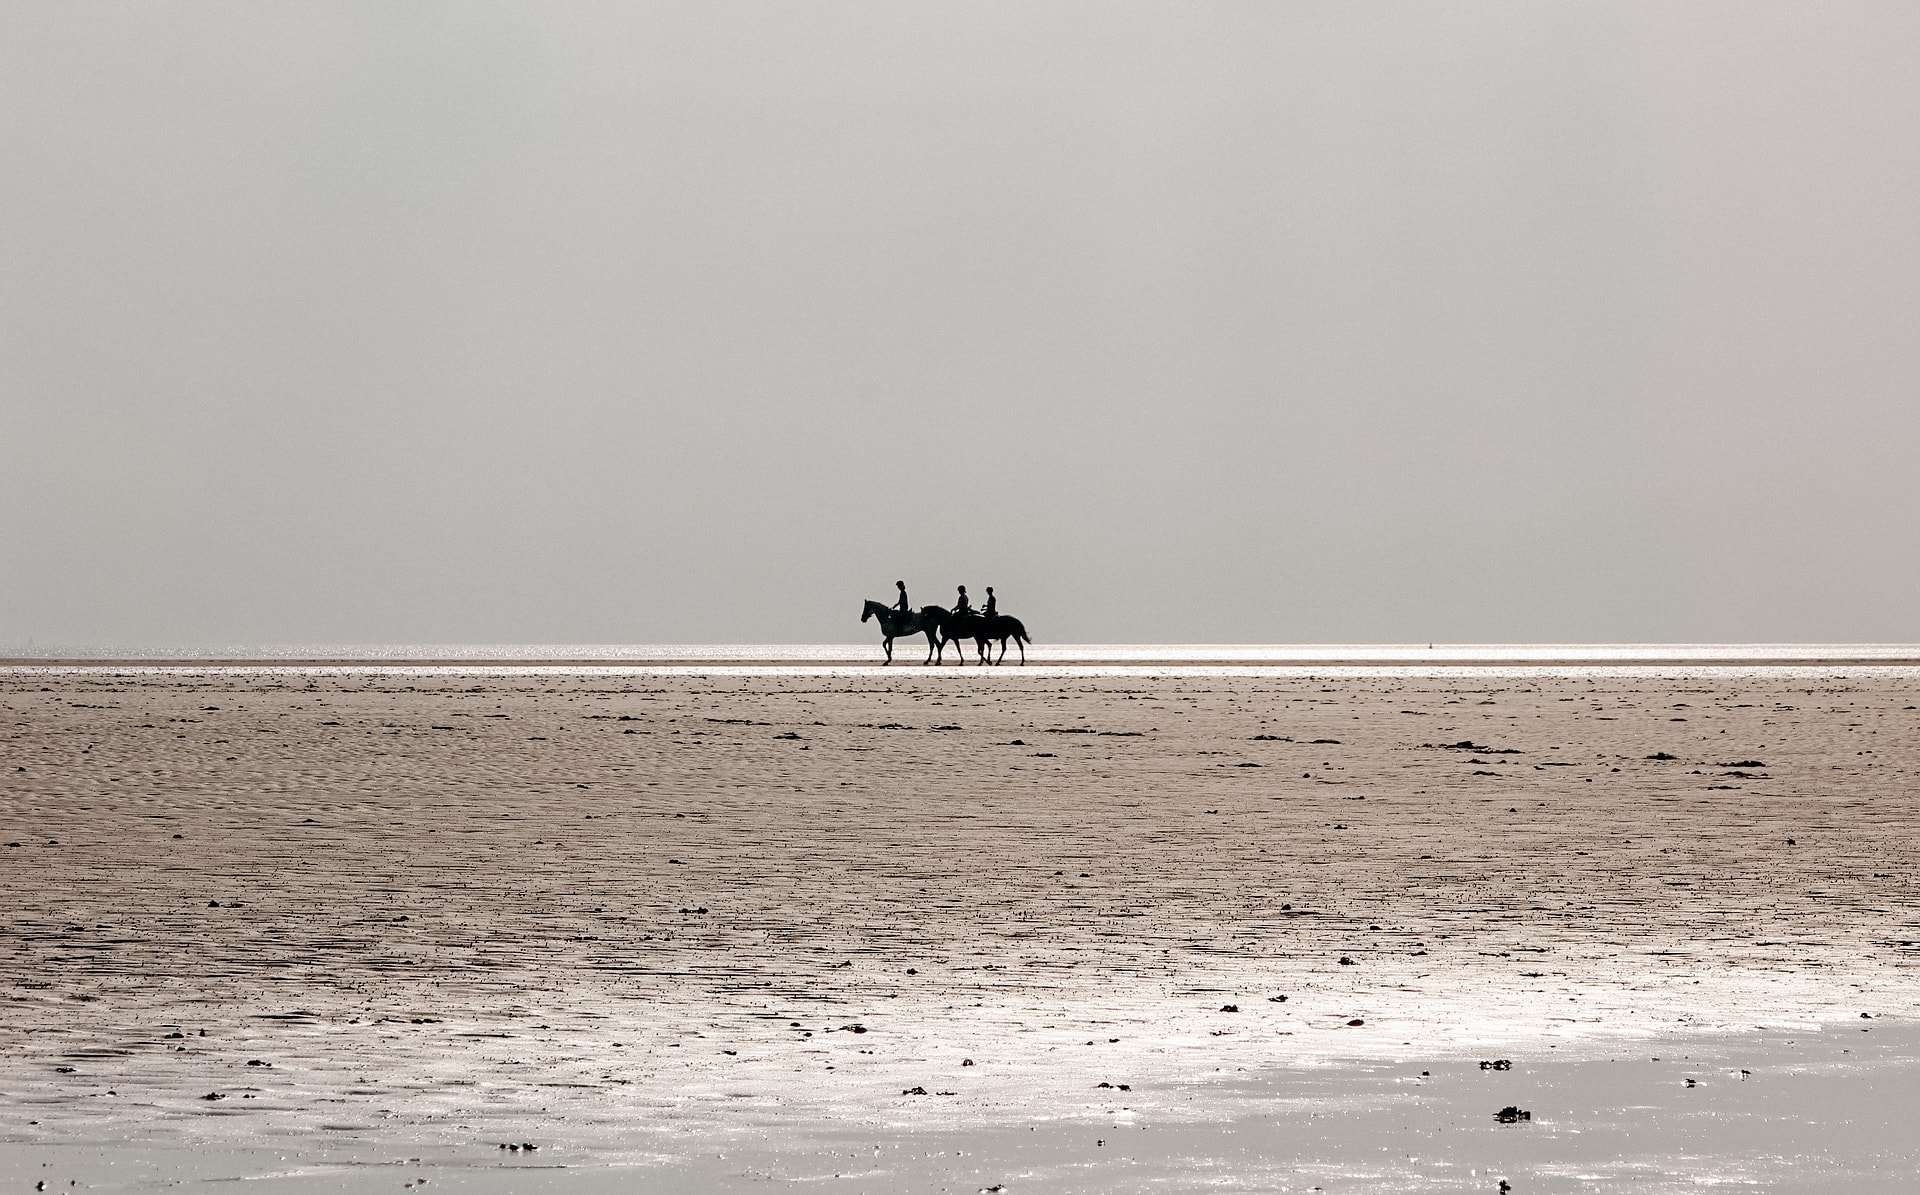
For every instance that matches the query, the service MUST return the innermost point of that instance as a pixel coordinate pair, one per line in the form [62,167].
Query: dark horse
[1002,627]
[982,629]
[957,629]
[895,623]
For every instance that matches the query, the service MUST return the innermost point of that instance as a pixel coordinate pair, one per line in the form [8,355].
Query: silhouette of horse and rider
[942,626]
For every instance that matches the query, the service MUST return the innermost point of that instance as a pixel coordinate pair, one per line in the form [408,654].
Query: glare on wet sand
[637,908]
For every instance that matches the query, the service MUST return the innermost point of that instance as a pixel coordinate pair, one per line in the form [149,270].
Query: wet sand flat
[666,906]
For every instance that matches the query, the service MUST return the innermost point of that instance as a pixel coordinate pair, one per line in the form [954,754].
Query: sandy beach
[713,925]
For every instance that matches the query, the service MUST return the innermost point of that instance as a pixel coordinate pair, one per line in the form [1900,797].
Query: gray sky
[702,322]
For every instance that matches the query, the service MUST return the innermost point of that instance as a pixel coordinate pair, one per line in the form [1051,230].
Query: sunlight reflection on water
[1226,654]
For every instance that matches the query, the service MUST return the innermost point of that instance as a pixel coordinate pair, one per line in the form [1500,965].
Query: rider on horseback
[902,605]
[992,608]
[961,605]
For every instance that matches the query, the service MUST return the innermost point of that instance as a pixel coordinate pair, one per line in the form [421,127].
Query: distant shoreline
[839,656]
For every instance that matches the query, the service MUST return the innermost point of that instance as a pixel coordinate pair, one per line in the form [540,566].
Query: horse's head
[866,612]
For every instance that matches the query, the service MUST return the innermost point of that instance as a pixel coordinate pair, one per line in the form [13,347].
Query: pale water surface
[1091,653]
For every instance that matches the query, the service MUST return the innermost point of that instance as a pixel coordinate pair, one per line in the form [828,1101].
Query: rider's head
[899,584]
[989,589]
[963,589]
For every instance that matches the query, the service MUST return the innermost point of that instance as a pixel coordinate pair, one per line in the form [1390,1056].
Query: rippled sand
[653,909]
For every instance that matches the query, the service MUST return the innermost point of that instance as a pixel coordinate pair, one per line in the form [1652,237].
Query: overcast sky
[1258,322]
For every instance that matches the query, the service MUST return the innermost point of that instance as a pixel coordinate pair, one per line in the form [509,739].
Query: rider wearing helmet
[961,605]
[902,605]
[992,607]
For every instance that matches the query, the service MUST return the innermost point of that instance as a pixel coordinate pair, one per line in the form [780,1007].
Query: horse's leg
[931,643]
[1023,649]
[888,644]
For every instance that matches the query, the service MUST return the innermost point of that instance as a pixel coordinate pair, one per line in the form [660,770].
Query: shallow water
[1089,653]
[1797,1110]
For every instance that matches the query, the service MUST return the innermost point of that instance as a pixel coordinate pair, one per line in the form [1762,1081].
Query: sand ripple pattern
[348,899]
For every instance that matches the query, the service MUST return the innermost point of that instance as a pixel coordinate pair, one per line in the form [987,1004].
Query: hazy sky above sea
[467,322]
